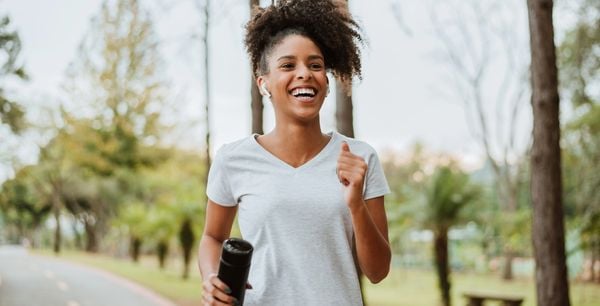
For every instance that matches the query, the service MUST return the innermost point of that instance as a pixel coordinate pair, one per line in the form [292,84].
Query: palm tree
[446,195]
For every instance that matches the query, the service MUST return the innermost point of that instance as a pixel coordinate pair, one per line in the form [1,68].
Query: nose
[303,72]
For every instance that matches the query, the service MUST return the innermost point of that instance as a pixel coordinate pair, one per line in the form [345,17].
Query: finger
[352,176]
[359,168]
[215,281]
[342,177]
[350,157]
[351,164]
[220,290]
[210,301]
[345,147]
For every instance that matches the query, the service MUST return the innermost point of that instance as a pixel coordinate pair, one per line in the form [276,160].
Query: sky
[399,102]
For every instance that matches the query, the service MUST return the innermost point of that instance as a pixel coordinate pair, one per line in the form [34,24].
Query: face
[296,79]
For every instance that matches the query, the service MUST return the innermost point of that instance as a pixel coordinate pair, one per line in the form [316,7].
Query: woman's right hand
[216,292]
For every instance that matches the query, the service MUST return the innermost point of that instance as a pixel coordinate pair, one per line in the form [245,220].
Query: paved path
[28,280]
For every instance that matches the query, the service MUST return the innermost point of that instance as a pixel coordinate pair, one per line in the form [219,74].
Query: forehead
[297,46]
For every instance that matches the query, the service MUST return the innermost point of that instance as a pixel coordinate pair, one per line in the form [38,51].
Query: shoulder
[358,147]
[232,149]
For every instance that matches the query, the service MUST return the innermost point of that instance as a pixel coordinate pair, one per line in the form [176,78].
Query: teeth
[300,91]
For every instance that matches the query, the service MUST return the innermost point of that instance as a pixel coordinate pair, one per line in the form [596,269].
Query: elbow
[380,275]
[381,272]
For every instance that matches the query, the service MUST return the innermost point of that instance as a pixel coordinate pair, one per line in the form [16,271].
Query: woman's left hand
[351,171]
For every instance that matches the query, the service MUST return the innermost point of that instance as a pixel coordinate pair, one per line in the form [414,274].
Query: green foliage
[445,196]
[21,202]
[11,112]
[578,58]
[118,75]
[579,63]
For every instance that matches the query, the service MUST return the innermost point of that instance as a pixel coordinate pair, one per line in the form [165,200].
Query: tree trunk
[343,111]
[135,246]
[187,239]
[441,264]
[595,258]
[91,242]
[345,126]
[162,250]
[205,40]
[57,231]
[548,237]
[257,108]
[256,101]
[77,236]
[507,269]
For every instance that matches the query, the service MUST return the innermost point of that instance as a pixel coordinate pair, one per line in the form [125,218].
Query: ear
[262,87]
[259,83]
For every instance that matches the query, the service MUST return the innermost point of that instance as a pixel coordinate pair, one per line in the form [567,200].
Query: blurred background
[110,111]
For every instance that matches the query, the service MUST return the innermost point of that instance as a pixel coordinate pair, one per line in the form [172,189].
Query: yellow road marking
[49,274]
[62,286]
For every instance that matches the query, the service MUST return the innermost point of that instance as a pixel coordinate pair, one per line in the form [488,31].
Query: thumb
[345,147]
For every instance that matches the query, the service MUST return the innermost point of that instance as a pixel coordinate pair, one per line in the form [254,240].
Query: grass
[419,288]
[401,288]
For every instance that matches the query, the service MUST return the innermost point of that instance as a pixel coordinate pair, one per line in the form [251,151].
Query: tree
[133,219]
[23,206]
[162,228]
[11,113]
[446,195]
[578,66]
[256,101]
[54,172]
[343,95]
[118,75]
[476,38]
[546,182]
[204,9]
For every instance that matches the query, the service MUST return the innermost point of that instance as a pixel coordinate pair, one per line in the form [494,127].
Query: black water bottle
[235,266]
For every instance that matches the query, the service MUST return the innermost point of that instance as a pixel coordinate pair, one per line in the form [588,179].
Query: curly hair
[332,29]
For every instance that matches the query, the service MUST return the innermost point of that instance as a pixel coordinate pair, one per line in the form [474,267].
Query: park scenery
[485,115]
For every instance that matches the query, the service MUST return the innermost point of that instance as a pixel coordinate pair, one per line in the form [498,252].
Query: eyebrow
[310,57]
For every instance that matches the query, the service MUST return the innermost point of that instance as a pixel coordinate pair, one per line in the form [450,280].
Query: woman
[305,198]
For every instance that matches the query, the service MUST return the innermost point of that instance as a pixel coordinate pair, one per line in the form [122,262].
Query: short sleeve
[376,184]
[218,187]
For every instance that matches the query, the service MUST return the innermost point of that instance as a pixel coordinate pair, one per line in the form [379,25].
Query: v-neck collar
[332,137]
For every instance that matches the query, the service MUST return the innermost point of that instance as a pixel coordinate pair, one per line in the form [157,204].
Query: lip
[303,99]
[307,87]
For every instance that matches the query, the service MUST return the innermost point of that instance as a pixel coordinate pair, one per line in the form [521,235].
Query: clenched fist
[351,171]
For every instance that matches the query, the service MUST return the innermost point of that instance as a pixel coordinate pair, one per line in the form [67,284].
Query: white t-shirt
[296,219]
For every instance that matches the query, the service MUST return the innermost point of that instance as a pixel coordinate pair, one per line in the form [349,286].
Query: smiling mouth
[303,93]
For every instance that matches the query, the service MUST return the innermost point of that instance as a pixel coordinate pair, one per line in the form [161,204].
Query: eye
[287,66]
[316,66]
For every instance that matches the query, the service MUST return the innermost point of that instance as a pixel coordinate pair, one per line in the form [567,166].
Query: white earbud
[264,90]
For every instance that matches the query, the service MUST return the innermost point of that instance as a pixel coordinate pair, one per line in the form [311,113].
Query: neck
[298,135]
[296,144]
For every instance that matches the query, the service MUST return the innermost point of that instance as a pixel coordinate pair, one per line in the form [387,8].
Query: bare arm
[219,220]
[371,234]
[368,217]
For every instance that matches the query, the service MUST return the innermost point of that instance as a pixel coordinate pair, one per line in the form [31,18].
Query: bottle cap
[237,252]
